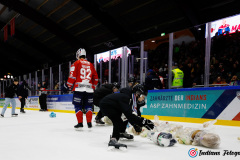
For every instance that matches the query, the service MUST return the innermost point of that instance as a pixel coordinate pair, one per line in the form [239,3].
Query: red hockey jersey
[83,76]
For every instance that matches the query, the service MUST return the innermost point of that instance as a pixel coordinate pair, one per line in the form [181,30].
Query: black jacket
[128,91]
[153,81]
[64,88]
[23,90]
[116,104]
[102,92]
[11,90]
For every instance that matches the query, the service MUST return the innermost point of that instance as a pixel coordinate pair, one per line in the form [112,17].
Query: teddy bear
[196,137]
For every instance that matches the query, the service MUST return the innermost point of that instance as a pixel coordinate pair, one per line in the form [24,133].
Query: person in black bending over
[43,96]
[23,94]
[101,92]
[113,106]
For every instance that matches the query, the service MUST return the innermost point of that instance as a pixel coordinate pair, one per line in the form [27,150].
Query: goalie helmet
[80,52]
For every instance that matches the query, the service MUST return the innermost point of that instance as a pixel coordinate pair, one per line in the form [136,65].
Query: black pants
[43,101]
[23,102]
[119,126]
[138,111]
[99,115]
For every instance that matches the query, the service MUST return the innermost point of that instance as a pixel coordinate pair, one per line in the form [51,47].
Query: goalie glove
[147,123]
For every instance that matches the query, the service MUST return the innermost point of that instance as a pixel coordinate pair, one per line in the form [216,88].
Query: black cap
[15,80]
[116,85]
[139,89]
[131,79]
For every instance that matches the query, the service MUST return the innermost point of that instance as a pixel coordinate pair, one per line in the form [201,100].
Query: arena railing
[211,85]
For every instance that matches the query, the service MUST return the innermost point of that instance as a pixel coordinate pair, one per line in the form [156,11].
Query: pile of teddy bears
[167,134]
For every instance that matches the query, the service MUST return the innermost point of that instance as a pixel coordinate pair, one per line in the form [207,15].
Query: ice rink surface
[36,136]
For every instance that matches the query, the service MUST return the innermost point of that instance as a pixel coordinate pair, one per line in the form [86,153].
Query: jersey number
[85,74]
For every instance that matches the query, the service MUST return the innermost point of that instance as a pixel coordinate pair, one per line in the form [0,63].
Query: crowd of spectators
[224,61]
[189,57]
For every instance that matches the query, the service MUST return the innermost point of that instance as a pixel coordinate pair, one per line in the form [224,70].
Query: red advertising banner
[12,26]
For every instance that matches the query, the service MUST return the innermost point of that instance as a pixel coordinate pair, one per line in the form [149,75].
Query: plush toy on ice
[164,126]
[196,137]
[144,131]
[209,124]
[199,136]
[162,139]
[52,115]
[160,126]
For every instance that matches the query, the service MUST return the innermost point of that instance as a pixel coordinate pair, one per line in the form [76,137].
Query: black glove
[147,123]
[137,128]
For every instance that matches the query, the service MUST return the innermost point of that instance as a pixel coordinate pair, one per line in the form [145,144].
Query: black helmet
[132,79]
[116,85]
[138,89]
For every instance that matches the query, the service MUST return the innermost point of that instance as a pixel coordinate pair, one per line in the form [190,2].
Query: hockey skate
[100,122]
[78,127]
[14,115]
[113,144]
[22,111]
[2,115]
[127,136]
[89,125]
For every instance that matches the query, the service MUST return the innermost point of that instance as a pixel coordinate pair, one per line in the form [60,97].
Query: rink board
[183,105]
[57,103]
[196,105]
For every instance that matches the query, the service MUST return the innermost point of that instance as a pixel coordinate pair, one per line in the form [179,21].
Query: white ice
[36,136]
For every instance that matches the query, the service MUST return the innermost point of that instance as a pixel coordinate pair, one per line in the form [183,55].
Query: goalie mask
[80,52]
